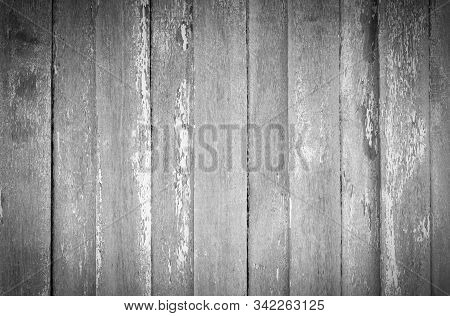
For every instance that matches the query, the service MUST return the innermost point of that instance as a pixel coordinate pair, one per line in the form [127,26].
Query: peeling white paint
[182,172]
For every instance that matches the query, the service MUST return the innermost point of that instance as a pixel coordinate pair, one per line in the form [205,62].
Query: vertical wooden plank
[440,146]
[268,179]
[123,258]
[360,148]
[75,146]
[172,196]
[220,194]
[315,213]
[25,147]
[404,123]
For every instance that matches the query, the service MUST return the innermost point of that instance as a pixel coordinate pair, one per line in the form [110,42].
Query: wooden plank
[360,148]
[220,194]
[172,193]
[404,124]
[25,142]
[440,147]
[123,258]
[268,262]
[315,213]
[75,146]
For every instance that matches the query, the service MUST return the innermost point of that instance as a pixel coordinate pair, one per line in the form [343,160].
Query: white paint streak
[141,159]
[184,36]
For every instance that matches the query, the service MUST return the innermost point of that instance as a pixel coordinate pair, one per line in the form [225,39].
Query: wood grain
[75,148]
[25,147]
[123,258]
[440,147]
[404,127]
[220,194]
[315,213]
[268,261]
[172,178]
[360,148]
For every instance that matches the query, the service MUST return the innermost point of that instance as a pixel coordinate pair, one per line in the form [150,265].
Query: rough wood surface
[360,148]
[404,125]
[268,261]
[315,213]
[75,148]
[220,194]
[440,146]
[172,186]
[123,258]
[25,147]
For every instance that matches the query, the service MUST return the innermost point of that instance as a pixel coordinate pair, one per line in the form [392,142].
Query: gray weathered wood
[315,213]
[268,261]
[25,147]
[172,177]
[123,258]
[220,195]
[440,146]
[75,148]
[404,125]
[360,148]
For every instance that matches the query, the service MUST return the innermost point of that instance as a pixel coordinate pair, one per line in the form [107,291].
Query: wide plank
[75,148]
[404,128]
[123,214]
[268,253]
[25,147]
[172,64]
[360,148]
[220,178]
[314,174]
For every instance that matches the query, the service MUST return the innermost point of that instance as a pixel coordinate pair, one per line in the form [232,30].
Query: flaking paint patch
[182,173]
[141,159]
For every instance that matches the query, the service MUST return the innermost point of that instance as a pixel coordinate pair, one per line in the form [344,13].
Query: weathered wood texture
[268,253]
[404,127]
[360,173]
[123,259]
[440,146]
[25,147]
[75,148]
[315,214]
[220,190]
[172,179]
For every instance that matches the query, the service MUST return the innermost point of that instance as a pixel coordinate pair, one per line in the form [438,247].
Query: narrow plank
[404,124]
[25,140]
[220,191]
[360,148]
[172,186]
[268,178]
[440,147]
[123,228]
[75,146]
[315,213]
